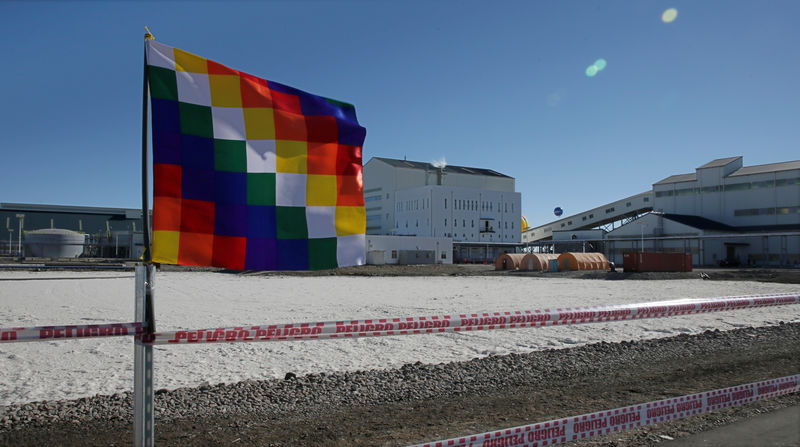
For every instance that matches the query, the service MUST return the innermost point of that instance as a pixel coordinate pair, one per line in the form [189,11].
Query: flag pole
[143,395]
[147,257]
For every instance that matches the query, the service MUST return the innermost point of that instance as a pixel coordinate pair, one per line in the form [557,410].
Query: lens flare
[591,70]
[600,64]
[669,15]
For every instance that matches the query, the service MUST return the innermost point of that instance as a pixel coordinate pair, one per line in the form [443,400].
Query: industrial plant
[723,214]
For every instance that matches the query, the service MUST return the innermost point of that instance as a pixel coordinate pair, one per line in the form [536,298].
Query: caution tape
[575,428]
[470,322]
[406,325]
[69,331]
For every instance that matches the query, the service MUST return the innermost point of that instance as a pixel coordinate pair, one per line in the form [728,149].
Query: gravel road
[427,402]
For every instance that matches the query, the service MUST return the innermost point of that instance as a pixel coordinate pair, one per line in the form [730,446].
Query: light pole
[10,233]
[19,238]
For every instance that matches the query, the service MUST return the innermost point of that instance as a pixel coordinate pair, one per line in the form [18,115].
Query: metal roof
[763,169]
[448,168]
[127,212]
[719,162]
[677,179]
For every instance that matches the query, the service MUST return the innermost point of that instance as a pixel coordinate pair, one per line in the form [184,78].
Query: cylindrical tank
[54,243]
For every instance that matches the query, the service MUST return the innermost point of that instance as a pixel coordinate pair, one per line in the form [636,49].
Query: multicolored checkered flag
[249,173]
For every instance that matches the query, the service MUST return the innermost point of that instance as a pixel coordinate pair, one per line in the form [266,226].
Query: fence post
[143,407]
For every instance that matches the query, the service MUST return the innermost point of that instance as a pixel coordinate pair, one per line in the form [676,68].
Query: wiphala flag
[249,173]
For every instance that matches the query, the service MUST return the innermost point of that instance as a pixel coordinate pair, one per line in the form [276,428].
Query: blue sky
[499,85]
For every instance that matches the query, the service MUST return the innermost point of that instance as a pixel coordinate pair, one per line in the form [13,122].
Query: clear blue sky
[499,85]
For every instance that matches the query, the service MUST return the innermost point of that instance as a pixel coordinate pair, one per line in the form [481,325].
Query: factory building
[724,213]
[109,232]
[476,208]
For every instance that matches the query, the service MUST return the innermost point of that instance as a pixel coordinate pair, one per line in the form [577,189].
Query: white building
[740,196]
[477,208]
[723,213]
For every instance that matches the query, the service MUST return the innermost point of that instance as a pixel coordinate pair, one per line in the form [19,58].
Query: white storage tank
[54,243]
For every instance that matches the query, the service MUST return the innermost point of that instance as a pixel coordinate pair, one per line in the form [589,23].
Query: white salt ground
[70,369]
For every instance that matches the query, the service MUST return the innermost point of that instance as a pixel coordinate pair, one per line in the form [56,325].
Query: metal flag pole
[143,407]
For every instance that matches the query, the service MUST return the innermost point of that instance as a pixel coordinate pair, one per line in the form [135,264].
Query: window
[767,184]
[591,216]
[445,204]
[627,203]
[464,223]
[610,210]
[747,212]
[372,198]
[647,199]
[738,187]
[445,222]
[663,194]
[473,224]
[455,222]
[569,222]
[394,254]
[583,218]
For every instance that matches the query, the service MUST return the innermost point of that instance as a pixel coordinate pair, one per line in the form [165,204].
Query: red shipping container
[656,262]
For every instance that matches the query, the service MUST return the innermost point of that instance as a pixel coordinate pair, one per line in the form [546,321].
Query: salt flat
[190,300]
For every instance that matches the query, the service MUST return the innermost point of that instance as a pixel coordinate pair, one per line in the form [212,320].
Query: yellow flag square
[350,220]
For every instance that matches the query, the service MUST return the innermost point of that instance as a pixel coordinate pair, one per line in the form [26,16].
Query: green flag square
[196,120]
[261,188]
[163,83]
[322,253]
[230,155]
[291,222]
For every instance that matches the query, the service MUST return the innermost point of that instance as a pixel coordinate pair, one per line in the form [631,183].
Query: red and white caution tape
[575,428]
[471,322]
[407,325]
[69,331]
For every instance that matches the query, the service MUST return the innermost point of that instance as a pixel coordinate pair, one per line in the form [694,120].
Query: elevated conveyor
[626,208]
